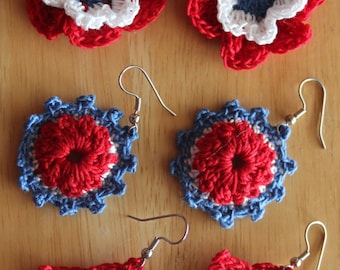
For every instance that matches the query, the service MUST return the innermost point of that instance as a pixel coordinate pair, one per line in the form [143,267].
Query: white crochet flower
[119,14]
[261,31]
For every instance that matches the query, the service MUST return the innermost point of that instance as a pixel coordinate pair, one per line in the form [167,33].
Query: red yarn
[224,261]
[131,264]
[73,155]
[293,34]
[304,14]
[47,20]
[148,13]
[90,38]
[233,162]
[239,53]
[203,14]
[50,22]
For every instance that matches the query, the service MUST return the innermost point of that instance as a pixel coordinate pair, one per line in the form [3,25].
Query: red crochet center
[73,154]
[233,162]
[131,264]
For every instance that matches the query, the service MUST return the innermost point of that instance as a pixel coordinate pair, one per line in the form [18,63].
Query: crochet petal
[149,12]
[203,15]
[304,14]
[239,53]
[91,38]
[292,34]
[48,21]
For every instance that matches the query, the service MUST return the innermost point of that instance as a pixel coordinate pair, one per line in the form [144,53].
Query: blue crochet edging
[113,184]
[91,3]
[226,214]
[254,7]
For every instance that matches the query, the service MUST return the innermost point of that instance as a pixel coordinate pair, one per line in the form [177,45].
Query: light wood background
[189,74]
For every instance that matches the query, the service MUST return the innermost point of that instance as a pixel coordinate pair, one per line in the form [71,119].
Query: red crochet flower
[224,261]
[52,21]
[74,155]
[237,51]
[232,162]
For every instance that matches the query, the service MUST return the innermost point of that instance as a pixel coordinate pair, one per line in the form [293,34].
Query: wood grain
[189,74]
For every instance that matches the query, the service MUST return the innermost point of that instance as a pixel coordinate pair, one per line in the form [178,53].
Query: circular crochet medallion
[232,163]
[74,155]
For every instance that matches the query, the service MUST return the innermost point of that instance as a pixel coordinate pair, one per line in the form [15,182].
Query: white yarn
[122,13]
[262,32]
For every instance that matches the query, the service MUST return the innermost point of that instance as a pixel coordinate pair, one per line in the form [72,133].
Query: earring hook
[297,261]
[147,252]
[134,117]
[291,119]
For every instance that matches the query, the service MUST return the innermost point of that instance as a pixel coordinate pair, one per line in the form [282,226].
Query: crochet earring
[91,23]
[132,263]
[224,261]
[74,155]
[232,163]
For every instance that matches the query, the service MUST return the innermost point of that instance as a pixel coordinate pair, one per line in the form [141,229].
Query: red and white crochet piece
[250,29]
[91,23]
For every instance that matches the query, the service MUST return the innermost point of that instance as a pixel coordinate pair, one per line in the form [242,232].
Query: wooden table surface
[189,75]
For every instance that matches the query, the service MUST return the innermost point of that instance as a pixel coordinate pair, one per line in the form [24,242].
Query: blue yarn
[254,7]
[113,184]
[91,3]
[254,208]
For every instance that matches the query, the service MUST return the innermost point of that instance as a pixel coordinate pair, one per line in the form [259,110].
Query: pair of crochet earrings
[222,261]
[249,30]
[231,163]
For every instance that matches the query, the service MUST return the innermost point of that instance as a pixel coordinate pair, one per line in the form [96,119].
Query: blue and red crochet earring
[73,155]
[233,162]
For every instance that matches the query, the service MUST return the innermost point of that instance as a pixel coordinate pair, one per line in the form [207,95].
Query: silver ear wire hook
[291,119]
[147,252]
[297,261]
[134,117]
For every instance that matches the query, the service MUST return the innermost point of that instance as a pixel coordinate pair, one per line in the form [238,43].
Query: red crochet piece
[237,52]
[224,261]
[131,264]
[233,171]
[73,155]
[51,22]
